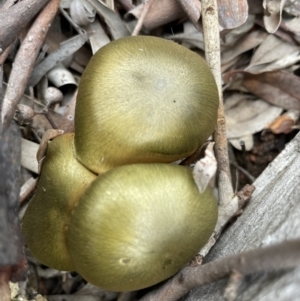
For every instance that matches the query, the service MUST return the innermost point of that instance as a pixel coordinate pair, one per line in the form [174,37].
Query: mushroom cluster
[107,204]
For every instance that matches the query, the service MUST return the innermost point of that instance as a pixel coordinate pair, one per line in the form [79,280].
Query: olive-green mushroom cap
[63,180]
[137,225]
[140,100]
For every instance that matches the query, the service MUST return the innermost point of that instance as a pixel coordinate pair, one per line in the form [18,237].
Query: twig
[281,256]
[212,53]
[138,27]
[14,19]
[25,60]
[244,171]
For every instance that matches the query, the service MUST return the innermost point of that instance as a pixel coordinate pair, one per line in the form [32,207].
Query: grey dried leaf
[112,19]
[250,117]
[273,14]
[231,37]
[273,54]
[28,155]
[61,76]
[82,12]
[65,50]
[99,38]
[193,10]
[245,43]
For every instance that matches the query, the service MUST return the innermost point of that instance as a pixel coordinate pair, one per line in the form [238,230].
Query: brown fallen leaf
[279,88]
[284,123]
[232,13]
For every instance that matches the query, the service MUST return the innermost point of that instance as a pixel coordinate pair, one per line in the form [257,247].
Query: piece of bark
[10,235]
[13,265]
[271,217]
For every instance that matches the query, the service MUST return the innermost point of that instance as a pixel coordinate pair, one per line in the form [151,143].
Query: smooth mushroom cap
[63,180]
[137,225]
[140,100]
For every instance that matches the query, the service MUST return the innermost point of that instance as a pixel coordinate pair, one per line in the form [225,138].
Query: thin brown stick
[212,53]
[14,18]
[138,27]
[281,256]
[25,60]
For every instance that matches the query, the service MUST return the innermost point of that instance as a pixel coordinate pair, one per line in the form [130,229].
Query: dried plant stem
[138,27]
[14,17]
[25,60]
[281,256]
[212,52]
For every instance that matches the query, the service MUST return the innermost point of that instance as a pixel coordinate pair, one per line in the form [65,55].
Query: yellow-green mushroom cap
[140,100]
[63,180]
[138,224]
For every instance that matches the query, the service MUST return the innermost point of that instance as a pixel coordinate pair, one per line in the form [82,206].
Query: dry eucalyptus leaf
[205,169]
[232,13]
[285,123]
[193,10]
[249,117]
[273,14]
[161,12]
[293,25]
[231,37]
[112,19]
[65,50]
[60,76]
[292,7]
[273,54]
[28,155]
[82,12]
[99,38]
[245,43]
[190,37]
[279,88]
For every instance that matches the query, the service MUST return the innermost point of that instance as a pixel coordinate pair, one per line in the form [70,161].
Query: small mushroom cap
[63,180]
[137,225]
[142,100]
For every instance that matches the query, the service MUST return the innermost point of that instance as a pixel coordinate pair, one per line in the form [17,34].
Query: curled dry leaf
[60,76]
[279,88]
[65,50]
[82,12]
[284,123]
[273,14]
[273,54]
[205,169]
[232,13]
[112,19]
[161,12]
[28,155]
[193,10]
[230,38]
[249,117]
[99,38]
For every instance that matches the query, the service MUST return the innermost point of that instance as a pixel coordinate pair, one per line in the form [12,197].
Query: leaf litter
[260,63]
